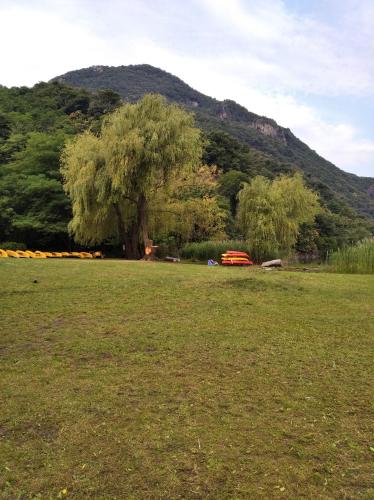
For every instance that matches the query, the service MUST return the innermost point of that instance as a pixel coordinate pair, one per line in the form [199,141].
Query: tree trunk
[143,219]
[128,239]
[131,241]
[143,224]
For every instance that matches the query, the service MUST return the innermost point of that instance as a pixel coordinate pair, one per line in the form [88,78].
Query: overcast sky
[309,64]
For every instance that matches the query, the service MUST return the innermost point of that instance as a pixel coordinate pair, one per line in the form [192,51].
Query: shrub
[355,259]
[13,245]
[212,249]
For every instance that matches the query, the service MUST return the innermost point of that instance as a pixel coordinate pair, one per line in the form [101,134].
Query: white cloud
[304,54]
[42,44]
[248,22]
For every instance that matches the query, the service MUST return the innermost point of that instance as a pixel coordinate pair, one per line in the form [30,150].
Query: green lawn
[141,380]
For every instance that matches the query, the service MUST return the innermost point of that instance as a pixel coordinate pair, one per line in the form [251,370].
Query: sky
[308,64]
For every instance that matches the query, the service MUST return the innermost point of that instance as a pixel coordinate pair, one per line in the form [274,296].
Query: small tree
[190,210]
[270,213]
[112,179]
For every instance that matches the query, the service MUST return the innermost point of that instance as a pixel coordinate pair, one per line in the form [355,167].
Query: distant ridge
[258,132]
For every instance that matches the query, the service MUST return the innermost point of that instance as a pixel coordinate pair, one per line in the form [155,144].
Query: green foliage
[270,214]
[257,218]
[103,101]
[307,241]
[34,124]
[13,245]
[196,183]
[112,179]
[4,127]
[190,210]
[194,219]
[230,183]
[225,151]
[42,108]
[36,208]
[212,249]
[354,259]
[338,230]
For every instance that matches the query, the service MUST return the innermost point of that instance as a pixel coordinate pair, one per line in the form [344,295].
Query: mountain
[262,134]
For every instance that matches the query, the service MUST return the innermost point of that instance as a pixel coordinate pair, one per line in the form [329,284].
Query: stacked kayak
[234,258]
[37,254]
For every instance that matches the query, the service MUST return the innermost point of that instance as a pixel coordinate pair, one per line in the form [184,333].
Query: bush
[355,259]
[212,249]
[13,245]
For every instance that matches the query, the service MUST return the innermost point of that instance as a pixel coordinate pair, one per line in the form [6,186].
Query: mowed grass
[141,380]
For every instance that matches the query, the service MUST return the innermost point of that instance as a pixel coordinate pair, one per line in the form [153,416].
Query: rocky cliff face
[232,111]
[270,130]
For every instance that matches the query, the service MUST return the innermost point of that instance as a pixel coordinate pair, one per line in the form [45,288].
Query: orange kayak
[232,262]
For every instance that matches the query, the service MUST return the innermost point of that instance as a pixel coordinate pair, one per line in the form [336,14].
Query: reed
[212,249]
[355,259]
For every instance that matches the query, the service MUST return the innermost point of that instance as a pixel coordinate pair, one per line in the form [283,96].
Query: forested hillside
[35,123]
[260,133]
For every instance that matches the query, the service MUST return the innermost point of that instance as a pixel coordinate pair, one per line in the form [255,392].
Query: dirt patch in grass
[42,429]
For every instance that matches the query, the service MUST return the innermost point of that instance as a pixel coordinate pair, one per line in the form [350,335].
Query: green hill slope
[258,132]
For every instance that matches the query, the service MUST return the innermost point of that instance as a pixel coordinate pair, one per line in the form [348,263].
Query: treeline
[36,123]
[34,126]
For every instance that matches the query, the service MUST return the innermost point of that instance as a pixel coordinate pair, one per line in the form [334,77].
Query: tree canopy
[270,213]
[112,178]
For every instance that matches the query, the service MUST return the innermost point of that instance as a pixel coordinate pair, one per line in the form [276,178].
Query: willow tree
[270,213]
[112,179]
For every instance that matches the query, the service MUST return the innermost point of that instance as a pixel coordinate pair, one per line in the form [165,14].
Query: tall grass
[355,259]
[212,249]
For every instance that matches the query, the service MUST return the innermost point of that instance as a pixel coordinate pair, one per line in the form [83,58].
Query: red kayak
[229,262]
[234,253]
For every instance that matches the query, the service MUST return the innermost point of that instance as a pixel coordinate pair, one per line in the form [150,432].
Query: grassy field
[143,380]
